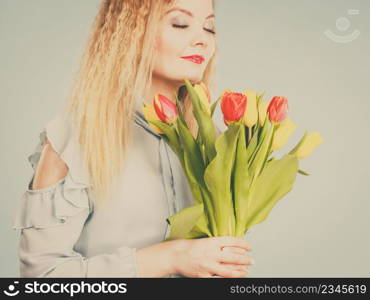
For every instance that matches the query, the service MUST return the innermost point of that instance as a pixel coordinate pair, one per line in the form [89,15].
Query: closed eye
[209,30]
[180,26]
[185,26]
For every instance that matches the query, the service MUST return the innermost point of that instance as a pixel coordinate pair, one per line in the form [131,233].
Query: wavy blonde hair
[116,67]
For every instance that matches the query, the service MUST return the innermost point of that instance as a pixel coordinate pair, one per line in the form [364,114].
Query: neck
[164,87]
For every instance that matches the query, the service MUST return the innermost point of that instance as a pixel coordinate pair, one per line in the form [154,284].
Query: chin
[194,78]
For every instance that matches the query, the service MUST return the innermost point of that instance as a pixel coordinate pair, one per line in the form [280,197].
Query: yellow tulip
[282,134]
[203,94]
[251,112]
[151,115]
[308,143]
[262,111]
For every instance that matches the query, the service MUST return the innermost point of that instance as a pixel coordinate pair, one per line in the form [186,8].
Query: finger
[235,250]
[237,267]
[238,275]
[229,270]
[205,275]
[215,276]
[233,258]
[224,271]
[232,241]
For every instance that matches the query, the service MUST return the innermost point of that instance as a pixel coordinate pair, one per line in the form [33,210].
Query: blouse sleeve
[51,220]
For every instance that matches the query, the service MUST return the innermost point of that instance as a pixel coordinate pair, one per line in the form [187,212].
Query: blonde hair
[116,68]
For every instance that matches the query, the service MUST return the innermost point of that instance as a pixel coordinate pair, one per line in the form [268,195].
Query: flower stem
[209,211]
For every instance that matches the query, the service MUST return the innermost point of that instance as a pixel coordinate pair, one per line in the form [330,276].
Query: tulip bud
[262,111]
[151,115]
[165,108]
[278,109]
[307,144]
[233,106]
[204,96]
[282,134]
[251,114]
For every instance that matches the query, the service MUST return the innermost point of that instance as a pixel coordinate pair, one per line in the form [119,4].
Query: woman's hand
[213,257]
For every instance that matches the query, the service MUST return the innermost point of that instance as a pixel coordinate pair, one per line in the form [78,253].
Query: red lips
[198,59]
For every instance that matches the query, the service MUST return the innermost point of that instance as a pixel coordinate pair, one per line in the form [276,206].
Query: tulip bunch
[234,178]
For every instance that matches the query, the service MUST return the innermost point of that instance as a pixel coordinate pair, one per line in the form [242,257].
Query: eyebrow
[186,12]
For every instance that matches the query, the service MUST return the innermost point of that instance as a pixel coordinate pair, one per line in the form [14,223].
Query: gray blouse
[62,232]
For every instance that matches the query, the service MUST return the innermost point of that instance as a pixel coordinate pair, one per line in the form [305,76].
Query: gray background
[321,228]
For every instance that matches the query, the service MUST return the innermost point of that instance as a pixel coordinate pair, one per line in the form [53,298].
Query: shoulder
[58,132]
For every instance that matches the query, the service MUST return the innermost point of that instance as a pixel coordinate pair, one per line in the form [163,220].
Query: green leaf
[182,222]
[214,105]
[260,155]
[172,138]
[206,126]
[200,229]
[217,177]
[192,167]
[178,106]
[202,148]
[193,154]
[192,180]
[252,146]
[275,181]
[241,182]
[303,172]
[256,141]
[270,159]
[294,150]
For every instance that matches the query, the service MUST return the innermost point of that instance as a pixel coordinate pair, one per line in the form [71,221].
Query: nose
[202,43]
[200,38]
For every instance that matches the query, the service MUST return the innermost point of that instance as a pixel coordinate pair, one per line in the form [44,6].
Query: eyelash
[185,26]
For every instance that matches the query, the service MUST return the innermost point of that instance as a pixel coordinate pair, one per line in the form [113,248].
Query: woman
[104,181]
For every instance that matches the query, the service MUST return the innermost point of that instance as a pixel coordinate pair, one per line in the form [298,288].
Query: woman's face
[187,29]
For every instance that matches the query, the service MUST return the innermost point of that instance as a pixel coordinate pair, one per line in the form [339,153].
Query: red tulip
[233,106]
[165,109]
[278,109]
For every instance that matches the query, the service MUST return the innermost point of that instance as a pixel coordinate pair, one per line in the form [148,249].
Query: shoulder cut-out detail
[62,135]
[50,168]
[66,193]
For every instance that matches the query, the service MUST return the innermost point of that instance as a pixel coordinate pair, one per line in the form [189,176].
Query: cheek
[170,44]
[212,47]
